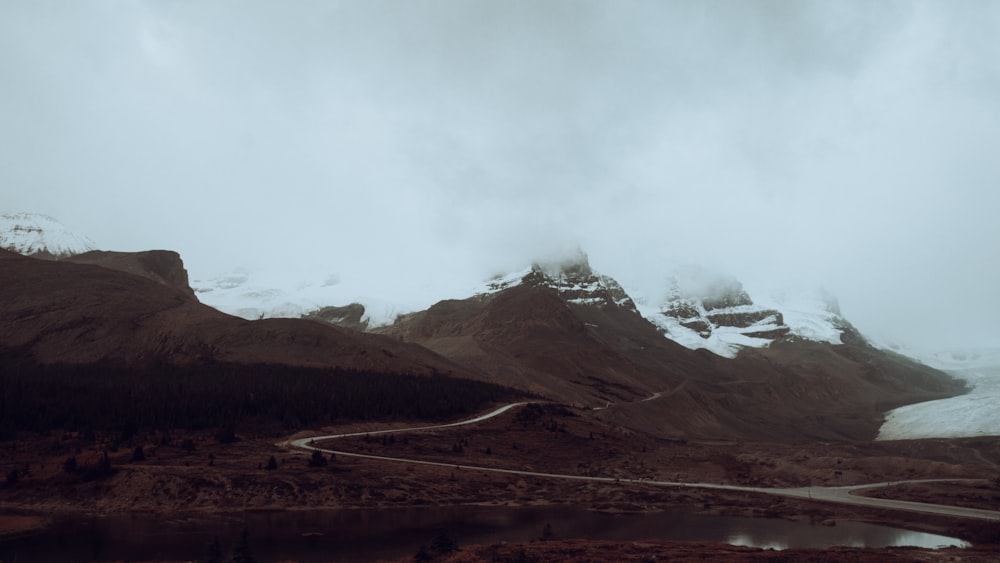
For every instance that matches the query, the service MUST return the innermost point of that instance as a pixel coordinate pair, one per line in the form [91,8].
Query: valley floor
[195,474]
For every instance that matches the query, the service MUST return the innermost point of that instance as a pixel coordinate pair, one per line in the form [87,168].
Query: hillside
[561,331]
[163,266]
[63,312]
[575,336]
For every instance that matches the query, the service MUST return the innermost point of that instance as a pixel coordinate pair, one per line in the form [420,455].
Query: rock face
[348,316]
[33,234]
[163,266]
[724,293]
[574,281]
[721,310]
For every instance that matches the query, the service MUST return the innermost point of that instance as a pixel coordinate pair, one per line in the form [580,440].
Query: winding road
[840,495]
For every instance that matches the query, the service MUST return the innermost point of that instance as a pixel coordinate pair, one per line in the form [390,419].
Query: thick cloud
[849,144]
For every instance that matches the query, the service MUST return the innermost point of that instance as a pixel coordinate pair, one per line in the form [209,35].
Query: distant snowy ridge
[697,311]
[948,360]
[252,295]
[35,234]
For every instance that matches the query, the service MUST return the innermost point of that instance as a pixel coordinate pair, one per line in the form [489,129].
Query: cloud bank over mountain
[423,146]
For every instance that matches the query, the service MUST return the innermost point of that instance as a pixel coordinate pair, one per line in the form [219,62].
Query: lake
[364,535]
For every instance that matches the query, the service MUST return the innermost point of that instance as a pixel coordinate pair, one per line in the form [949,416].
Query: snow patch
[806,313]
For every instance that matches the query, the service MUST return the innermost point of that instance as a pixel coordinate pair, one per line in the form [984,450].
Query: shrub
[317,459]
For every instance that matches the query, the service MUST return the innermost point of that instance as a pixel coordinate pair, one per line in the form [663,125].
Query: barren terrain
[195,474]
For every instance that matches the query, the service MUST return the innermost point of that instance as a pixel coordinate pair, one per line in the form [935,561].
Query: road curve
[839,495]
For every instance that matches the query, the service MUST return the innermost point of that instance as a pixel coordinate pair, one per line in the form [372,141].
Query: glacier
[975,414]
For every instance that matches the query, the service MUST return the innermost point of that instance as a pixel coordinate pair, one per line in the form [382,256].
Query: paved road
[845,495]
[840,495]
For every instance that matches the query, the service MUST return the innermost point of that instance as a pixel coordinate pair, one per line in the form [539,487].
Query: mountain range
[704,360]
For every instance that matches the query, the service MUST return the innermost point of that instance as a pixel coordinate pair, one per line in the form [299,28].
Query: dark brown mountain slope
[164,266]
[62,312]
[528,337]
[606,356]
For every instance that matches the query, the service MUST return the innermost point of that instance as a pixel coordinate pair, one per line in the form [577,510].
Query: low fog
[430,144]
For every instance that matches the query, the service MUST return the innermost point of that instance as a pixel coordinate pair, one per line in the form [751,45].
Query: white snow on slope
[254,294]
[724,341]
[31,233]
[805,313]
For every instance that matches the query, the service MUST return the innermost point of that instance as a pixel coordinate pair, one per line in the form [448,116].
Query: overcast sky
[850,144]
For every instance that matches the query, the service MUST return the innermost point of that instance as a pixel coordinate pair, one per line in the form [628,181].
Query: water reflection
[361,535]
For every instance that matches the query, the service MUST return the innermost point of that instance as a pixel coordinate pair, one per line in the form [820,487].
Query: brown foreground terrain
[582,551]
[193,473]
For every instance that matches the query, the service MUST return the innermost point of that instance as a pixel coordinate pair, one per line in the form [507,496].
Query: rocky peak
[573,279]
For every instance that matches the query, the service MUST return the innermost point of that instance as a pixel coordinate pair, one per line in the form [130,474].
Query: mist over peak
[839,145]
[575,263]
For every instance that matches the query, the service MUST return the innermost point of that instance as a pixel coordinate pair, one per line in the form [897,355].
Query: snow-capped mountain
[573,279]
[696,309]
[33,234]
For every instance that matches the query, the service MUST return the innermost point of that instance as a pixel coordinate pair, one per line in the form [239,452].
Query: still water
[364,535]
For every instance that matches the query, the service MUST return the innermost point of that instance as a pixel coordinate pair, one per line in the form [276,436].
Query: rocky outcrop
[744,319]
[348,316]
[573,279]
[163,266]
[718,305]
[724,293]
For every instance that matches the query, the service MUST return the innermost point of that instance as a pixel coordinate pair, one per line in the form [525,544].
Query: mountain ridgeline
[702,361]
[90,348]
[575,336]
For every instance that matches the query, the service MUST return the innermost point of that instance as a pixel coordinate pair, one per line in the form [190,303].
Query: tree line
[262,397]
